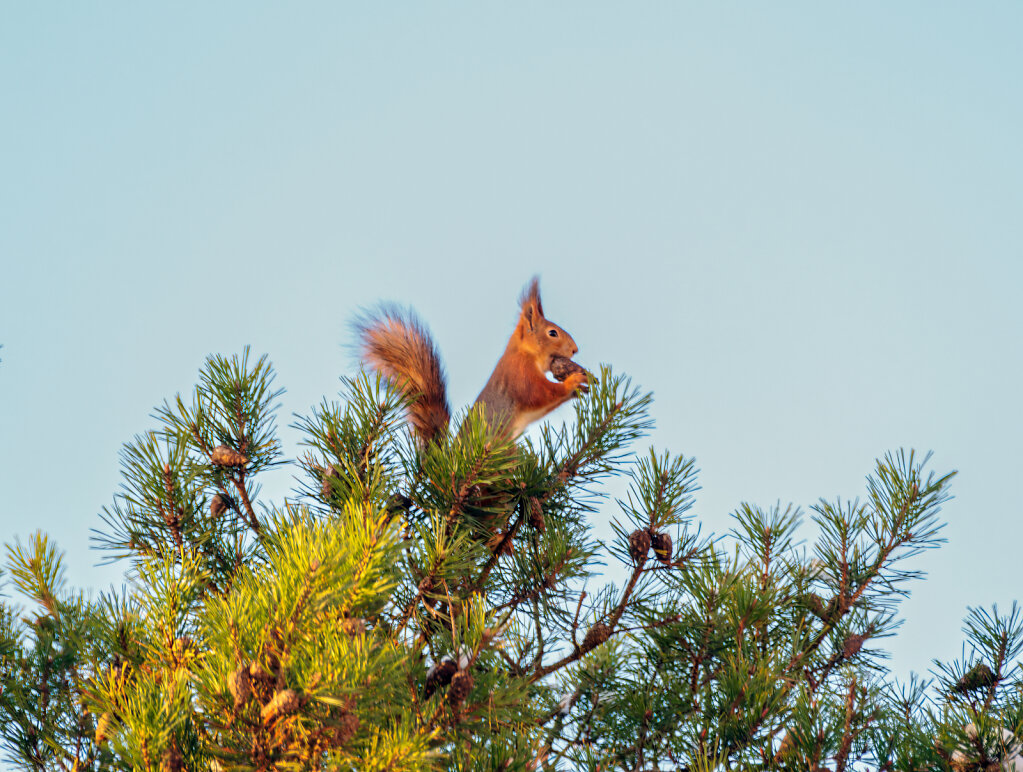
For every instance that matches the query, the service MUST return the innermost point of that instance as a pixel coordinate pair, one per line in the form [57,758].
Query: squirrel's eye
[553,333]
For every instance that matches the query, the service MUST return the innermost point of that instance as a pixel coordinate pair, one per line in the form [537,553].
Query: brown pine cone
[399,503]
[837,607]
[562,367]
[347,726]
[172,760]
[259,675]
[461,685]
[327,485]
[977,677]
[220,503]
[661,542]
[438,676]
[852,644]
[284,703]
[536,520]
[595,636]
[639,546]
[240,686]
[225,456]
[815,603]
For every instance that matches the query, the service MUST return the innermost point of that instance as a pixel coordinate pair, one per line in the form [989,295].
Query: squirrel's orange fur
[396,344]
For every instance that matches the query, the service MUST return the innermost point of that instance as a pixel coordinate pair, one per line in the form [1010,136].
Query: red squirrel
[397,345]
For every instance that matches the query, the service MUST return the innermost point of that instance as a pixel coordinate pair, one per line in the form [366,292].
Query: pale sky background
[799,224]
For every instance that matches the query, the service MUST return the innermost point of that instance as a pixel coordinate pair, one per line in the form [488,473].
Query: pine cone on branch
[815,603]
[346,728]
[977,677]
[852,644]
[229,457]
[172,760]
[595,636]
[284,703]
[438,676]
[330,474]
[240,685]
[220,503]
[639,546]
[536,519]
[661,542]
[461,685]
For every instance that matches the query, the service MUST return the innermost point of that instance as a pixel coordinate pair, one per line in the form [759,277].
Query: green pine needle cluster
[452,607]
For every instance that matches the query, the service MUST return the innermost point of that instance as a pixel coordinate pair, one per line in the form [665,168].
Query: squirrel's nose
[575,350]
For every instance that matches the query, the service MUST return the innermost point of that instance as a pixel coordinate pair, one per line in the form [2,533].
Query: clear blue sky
[799,224]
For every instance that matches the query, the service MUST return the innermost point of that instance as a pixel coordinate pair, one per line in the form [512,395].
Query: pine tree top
[452,607]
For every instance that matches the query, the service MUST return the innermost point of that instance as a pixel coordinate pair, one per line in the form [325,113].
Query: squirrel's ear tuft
[532,309]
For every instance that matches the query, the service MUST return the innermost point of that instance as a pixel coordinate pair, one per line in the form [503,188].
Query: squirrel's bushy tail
[397,345]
